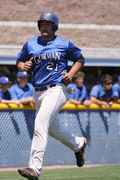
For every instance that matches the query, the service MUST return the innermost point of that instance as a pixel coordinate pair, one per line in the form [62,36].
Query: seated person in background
[22,91]
[5,94]
[0,83]
[102,94]
[77,92]
[116,91]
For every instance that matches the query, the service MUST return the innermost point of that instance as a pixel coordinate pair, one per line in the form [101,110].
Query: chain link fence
[100,127]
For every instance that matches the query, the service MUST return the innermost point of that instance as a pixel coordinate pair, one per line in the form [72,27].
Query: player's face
[79,81]
[4,87]
[107,85]
[46,29]
[22,81]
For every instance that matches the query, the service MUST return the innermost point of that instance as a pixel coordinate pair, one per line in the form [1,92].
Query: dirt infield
[69,11]
[80,37]
[44,167]
[58,167]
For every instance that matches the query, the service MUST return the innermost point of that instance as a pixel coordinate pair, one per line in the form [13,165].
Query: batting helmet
[49,16]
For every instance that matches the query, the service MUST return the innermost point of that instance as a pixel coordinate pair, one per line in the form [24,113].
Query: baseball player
[47,55]
[102,94]
[79,93]
[22,90]
[5,93]
[116,91]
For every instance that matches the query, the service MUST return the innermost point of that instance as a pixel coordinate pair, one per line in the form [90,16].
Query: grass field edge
[60,167]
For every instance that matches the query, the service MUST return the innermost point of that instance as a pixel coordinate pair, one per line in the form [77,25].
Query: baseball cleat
[28,173]
[80,155]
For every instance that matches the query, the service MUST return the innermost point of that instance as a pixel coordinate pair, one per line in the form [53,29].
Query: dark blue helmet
[49,16]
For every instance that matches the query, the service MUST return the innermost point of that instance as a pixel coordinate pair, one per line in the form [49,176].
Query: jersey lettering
[55,56]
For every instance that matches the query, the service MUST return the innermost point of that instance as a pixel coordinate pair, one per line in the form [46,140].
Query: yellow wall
[65,107]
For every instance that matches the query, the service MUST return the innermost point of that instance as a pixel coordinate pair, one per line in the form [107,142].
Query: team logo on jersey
[71,90]
[48,56]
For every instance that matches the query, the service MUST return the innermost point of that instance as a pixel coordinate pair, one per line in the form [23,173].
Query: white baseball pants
[48,103]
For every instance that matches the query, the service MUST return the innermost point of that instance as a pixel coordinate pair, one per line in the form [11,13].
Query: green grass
[111,172]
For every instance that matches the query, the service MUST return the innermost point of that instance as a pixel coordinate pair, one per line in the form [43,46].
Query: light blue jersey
[50,58]
[116,90]
[21,93]
[98,92]
[79,94]
[6,95]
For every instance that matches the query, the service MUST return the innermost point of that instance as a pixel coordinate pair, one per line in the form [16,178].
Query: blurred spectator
[5,94]
[77,92]
[116,91]
[22,90]
[102,94]
[0,83]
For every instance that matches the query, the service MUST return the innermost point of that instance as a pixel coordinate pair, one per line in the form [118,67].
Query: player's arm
[77,66]
[74,54]
[74,101]
[15,101]
[25,66]
[27,100]
[68,75]
[117,101]
[99,102]
[96,101]
[24,61]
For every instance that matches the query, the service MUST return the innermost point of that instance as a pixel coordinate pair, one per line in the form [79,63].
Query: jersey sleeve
[115,91]
[74,53]
[94,91]
[23,55]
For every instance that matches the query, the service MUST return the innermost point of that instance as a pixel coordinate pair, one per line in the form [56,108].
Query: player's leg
[75,143]
[49,107]
[62,134]
[29,172]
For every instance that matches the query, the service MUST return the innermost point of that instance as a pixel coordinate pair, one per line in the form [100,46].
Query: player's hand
[110,103]
[28,64]
[66,77]
[15,101]
[106,105]
[31,99]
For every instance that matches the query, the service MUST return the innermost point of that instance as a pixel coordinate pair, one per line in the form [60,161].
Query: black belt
[43,88]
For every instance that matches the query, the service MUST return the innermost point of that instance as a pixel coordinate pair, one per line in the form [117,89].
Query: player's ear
[18,79]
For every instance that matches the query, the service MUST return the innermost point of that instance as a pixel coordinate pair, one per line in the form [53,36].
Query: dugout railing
[101,127]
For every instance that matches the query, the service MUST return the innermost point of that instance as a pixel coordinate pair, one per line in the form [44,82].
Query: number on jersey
[52,66]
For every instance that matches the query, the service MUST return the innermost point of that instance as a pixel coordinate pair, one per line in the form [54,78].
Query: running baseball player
[47,55]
